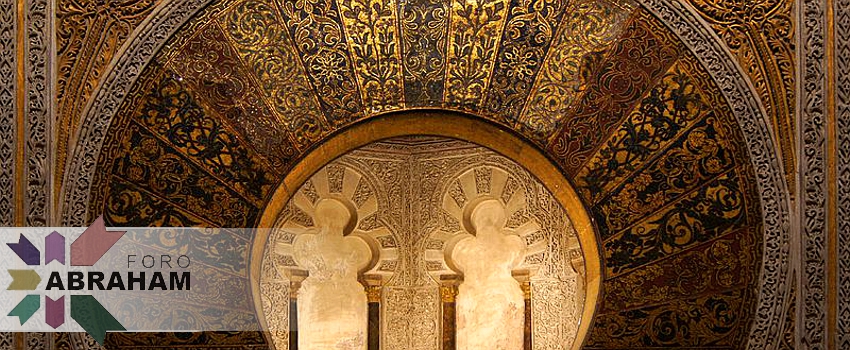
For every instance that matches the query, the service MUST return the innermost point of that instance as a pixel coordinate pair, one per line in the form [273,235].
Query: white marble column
[490,303]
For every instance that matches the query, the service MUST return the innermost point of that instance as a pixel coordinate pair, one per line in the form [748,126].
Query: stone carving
[37,340]
[746,108]
[490,303]
[332,305]
[320,236]
[88,36]
[813,187]
[535,216]
[410,299]
[789,335]
[775,202]
[38,110]
[7,340]
[761,36]
[106,100]
[84,341]
[275,289]
[554,299]
[8,110]
[842,114]
[400,189]
[469,188]
[404,332]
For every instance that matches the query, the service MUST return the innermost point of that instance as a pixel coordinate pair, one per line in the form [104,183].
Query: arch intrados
[455,125]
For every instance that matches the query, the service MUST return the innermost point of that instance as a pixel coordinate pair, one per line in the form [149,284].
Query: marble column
[332,305]
[490,302]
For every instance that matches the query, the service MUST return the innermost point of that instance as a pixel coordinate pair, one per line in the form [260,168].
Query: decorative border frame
[813,174]
[841,23]
[8,109]
[38,111]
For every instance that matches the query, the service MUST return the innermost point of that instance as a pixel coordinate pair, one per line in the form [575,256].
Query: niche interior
[422,242]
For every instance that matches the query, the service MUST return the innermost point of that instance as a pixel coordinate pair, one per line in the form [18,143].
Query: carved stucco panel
[842,132]
[399,190]
[38,107]
[813,186]
[8,110]
[420,332]
[554,313]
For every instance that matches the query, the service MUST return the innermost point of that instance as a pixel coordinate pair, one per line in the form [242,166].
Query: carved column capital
[448,288]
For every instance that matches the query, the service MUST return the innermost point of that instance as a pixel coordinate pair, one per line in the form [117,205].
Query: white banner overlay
[151,280]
